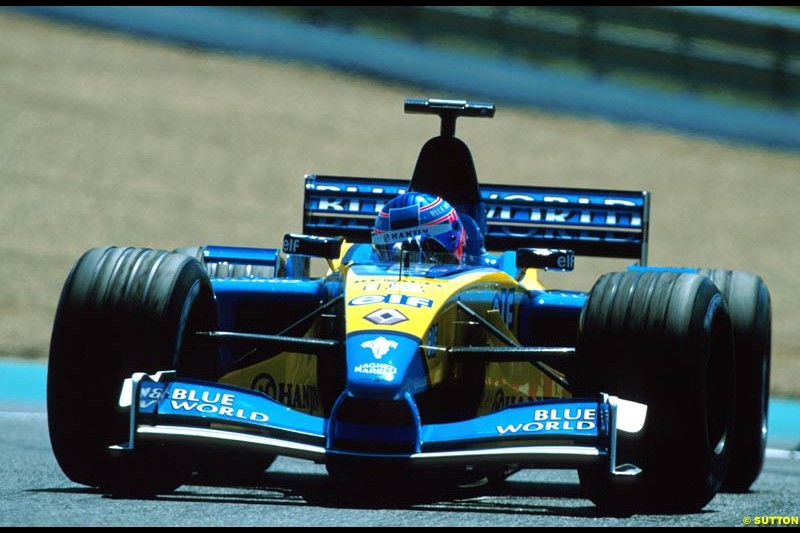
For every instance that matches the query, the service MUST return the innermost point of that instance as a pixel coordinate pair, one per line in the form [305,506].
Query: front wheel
[122,310]
[662,339]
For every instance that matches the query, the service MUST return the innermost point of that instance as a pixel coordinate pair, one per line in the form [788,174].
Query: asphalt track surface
[34,492]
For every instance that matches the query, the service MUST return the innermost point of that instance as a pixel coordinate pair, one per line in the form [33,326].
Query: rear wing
[591,222]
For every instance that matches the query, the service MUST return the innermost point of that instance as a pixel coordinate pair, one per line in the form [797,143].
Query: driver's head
[418,221]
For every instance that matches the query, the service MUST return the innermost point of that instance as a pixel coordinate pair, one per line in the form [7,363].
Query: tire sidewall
[659,338]
[122,310]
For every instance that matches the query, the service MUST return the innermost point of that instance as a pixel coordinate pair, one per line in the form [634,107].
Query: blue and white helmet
[418,221]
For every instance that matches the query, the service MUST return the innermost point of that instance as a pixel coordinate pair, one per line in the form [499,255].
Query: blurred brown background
[108,140]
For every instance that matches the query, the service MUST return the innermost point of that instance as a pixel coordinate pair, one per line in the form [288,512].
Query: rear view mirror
[546,259]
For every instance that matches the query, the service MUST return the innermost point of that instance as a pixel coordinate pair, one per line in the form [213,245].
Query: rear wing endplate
[591,222]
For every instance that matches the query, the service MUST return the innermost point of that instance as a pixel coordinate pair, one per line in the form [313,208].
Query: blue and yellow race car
[425,345]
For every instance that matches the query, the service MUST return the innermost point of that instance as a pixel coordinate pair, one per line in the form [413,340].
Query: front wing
[563,433]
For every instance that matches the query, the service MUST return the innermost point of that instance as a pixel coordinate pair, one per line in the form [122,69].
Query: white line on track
[22,415]
[772,453]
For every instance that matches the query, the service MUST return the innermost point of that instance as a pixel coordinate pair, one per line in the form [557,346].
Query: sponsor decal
[432,338]
[413,232]
[212,403]
[386,317]
[149,396]
[352,205]
[399,299]
[501,400]
[563,258]
[292,243]
[374,189]
[290,246]
[566,213]
[566,234]
[400,286]
[503,301]
[295,395]
[380,346]
[383,369]
[579,209]
[555,419]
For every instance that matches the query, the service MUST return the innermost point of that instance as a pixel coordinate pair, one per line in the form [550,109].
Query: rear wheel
[122,310]
[748,302]
[662,339]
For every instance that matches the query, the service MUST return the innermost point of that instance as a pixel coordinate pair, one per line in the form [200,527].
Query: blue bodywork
[376,414]
[187,408]
[378,408]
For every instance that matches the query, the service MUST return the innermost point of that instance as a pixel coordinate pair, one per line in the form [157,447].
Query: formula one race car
[429,346]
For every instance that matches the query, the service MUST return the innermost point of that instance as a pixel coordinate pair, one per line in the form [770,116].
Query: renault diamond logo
[386,317]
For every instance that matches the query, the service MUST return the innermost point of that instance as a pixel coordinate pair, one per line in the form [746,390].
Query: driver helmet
[418,222]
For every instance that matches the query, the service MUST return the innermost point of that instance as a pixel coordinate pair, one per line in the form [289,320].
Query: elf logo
[399,299]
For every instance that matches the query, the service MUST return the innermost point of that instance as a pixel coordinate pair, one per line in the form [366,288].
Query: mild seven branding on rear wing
[595,222]
[346,207]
